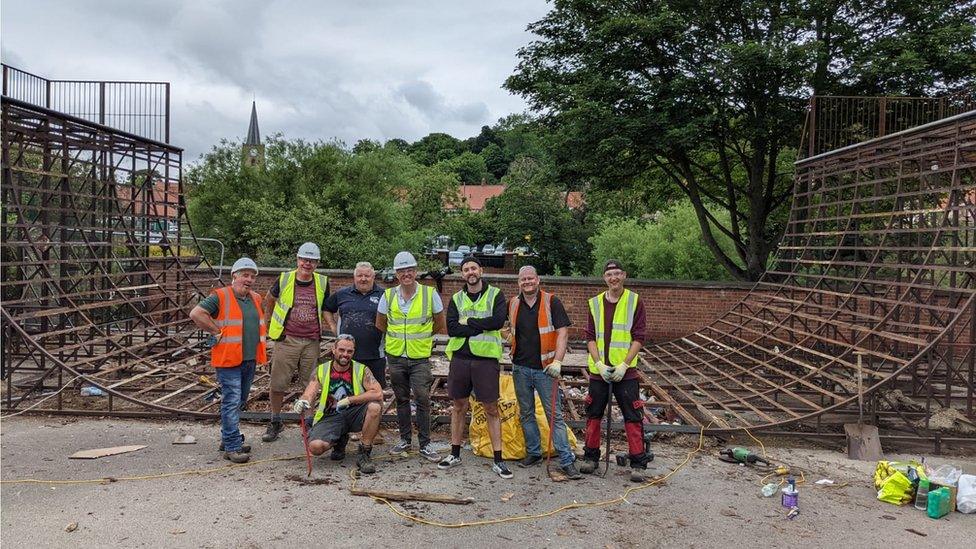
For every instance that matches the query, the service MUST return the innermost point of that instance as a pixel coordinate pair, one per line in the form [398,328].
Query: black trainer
[274,429]
[365,462]
[530,460]
[245,448]
[339,449]
[570,471]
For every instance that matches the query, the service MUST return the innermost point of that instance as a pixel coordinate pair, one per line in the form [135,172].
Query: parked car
[488,249]
[464,250]
[454,258]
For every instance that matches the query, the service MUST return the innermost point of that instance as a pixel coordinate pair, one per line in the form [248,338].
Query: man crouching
[349,402]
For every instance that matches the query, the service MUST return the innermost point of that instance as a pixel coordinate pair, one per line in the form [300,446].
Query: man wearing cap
[294,305]
[410,314]
[233,316]
[540,333]
[614,335]
[475,317]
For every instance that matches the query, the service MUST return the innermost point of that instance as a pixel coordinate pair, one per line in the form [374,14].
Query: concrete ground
[705,504]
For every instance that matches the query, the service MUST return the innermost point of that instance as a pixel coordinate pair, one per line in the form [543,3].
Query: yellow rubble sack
[891,480]
[513,440]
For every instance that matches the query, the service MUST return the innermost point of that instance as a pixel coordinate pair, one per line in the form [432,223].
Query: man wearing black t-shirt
[540,331]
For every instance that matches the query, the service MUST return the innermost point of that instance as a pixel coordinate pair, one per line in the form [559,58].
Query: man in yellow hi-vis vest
[475,317]
[349,400]
[614,335]
[294,308]
[410,314]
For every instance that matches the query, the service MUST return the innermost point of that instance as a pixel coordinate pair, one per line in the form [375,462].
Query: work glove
[552,370]
[342,404]
[300,406]
[618,372]
[213,340]
[463,321]
[605,371]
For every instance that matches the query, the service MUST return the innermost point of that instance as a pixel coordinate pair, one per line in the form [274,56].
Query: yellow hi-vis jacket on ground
[410,331]
[623,321]
[286,299]
[324,374]
[486,344]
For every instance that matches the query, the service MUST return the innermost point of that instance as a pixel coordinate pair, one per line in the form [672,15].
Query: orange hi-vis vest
[229,351]
[547,333]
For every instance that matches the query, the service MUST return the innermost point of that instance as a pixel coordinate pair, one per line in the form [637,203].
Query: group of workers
[391,331]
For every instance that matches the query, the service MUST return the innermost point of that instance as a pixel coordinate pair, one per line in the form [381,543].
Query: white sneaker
[400,448]
[501,469]
[429,453]
[449,461]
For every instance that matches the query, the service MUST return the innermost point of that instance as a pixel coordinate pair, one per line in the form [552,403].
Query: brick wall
[674,309]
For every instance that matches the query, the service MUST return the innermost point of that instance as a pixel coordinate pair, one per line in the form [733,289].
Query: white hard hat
[244,263]
[404,260]
[309,250]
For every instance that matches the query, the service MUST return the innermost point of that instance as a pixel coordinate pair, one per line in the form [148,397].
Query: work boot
[339,449]
[570,471]
[237,457]
[365,463]
[588,466]
[246,448]
[530,460]
[637,474]
[274,429]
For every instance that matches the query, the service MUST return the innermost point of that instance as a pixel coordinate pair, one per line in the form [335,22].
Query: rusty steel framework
[878,262]
[877,265]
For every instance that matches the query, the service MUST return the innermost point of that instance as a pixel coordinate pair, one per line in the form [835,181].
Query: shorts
[291,355]
[331,427]
[480,374]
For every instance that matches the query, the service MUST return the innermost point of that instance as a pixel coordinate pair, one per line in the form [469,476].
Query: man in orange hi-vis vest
[540,333]
[233,315]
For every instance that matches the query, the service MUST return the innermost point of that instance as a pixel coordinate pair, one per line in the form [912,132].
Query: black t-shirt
[499,313]
[528,347]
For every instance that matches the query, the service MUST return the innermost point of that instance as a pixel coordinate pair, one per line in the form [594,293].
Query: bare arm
[381,322]
[269,303]
[313,389]
[329,319]
[372,391]
[562,341]
[594,352]
[635,347]
[201,317]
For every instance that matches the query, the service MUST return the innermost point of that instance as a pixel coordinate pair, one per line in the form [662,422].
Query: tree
[435,147]
[711,93]
[669,247]
[467,167]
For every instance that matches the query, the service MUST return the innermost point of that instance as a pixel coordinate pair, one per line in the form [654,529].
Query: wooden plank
[102,452]
[411,496]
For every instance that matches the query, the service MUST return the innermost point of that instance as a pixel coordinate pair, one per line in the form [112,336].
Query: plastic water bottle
[769,489]
[922,495]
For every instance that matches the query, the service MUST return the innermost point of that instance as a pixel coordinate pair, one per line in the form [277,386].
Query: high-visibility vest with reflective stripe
[324,375]
[286,299]
[410,332]
[623,321]
[547,333]
[229,351]
[486,344]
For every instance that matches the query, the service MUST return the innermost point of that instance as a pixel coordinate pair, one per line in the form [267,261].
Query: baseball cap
[613,264]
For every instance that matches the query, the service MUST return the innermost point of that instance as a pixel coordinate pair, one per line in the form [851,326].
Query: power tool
[742,455]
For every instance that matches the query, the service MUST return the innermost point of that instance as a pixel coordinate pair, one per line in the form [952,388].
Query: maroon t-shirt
[636,331]
[303,319]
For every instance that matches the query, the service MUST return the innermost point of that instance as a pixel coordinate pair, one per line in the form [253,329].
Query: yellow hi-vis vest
[486,344]
[410,332]
[286,298]
[324,373]
[623,321]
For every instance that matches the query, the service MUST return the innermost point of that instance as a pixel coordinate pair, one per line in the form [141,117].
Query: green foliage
[669,247]
[467,167]
[711,94]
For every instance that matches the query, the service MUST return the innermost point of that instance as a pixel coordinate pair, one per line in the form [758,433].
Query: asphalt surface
[705,504]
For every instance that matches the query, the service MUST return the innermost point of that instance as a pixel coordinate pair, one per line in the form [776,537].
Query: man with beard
[349,401]
[540,333]
[614,335]
[294,304]
[474,317]
[233,316]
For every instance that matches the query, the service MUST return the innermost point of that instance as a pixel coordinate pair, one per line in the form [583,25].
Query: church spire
[253,134]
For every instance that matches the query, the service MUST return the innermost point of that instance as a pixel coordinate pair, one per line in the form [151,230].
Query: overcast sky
[374,69]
